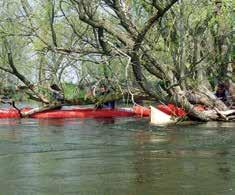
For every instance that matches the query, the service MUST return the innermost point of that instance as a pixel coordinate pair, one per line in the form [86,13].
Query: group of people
[225,91]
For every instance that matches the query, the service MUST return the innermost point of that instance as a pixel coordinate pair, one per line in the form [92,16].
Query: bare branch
[6,70]
[151,21]
[125,21]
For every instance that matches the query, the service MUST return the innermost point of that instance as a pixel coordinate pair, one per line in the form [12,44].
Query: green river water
[116,156]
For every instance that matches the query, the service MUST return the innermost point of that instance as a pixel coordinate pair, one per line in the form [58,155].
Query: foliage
[128,44]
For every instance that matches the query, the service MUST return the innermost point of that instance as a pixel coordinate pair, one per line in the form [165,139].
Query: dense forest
[164,50]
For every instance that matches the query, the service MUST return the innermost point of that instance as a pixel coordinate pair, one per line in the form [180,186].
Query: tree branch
[6,70]
[16,73]
[150,22]
[125,21]
[103,23]
[52,19]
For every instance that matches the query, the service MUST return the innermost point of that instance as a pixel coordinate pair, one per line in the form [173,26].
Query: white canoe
[160,118]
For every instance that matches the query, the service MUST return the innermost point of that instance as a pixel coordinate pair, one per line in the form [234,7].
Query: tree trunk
[40,109]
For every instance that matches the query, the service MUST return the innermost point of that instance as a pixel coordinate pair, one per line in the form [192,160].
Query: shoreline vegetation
[85,98]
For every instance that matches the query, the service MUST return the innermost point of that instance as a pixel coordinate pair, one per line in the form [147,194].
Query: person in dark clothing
[6,96]
[109,104]
[221,92]
[57,93]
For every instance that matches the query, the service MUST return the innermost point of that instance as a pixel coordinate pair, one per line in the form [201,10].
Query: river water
[116,156]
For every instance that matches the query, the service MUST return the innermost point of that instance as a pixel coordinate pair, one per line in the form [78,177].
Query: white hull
[160,118]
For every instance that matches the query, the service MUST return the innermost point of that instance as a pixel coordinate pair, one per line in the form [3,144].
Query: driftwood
[205,97]
[228,112]
[231,118]
[217,110]
[40,109]
[215,114]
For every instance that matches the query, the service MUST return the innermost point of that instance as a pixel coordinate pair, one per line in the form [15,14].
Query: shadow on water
[115,156]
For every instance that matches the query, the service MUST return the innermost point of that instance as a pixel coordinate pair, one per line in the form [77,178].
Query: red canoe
[74,113]
[9,113]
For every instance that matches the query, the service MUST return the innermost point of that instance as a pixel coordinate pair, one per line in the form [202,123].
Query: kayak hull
[74,113]
[9,113]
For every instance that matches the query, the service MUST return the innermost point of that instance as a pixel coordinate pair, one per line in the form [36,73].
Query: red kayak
[9,113]
[71,113]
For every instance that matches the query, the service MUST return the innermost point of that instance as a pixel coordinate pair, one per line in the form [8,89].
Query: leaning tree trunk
[217,109]
[205,97]
[180,98]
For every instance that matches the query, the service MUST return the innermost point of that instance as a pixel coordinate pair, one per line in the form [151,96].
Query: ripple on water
[120,156]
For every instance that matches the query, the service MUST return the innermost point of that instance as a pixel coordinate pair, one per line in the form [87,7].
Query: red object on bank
[171,109]
[141,110]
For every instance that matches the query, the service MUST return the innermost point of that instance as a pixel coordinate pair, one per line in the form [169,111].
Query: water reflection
[59,122]
[144,137]
[105,120]
[144,156]
[115,156]
[10,122]
[217,125]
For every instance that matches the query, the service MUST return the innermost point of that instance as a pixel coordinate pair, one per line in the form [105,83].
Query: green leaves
[49,38]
